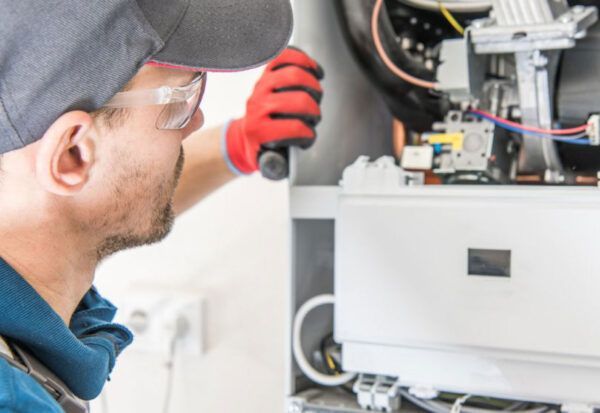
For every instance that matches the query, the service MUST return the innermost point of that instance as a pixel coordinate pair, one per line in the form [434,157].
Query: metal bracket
[521,34]
[536,72]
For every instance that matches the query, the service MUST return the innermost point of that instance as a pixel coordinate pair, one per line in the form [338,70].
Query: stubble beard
[162,220]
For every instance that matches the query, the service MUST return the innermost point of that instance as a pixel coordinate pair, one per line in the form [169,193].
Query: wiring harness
[576,135]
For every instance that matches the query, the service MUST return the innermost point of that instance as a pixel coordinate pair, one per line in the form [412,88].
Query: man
[98,103]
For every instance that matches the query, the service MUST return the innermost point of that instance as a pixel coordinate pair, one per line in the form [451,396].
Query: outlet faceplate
[153,319]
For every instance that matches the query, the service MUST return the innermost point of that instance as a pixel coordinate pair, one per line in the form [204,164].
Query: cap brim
[228,35]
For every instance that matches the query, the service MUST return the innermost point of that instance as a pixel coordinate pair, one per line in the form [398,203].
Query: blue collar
[81,355]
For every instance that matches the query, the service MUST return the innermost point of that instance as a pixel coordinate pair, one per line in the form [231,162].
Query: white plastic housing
[406,306]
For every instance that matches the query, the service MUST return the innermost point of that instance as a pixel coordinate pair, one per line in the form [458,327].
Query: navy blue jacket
[82,354]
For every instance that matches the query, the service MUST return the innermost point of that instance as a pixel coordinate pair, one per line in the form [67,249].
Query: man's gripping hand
[283,111]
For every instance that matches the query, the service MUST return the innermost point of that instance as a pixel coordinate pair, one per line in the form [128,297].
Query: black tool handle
[274,164]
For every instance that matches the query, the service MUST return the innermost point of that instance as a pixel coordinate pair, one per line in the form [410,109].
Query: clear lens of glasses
[178,114]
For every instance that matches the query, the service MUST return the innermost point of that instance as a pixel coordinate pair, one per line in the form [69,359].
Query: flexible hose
[301,360]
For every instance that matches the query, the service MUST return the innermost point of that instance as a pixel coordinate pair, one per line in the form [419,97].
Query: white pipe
[307,369]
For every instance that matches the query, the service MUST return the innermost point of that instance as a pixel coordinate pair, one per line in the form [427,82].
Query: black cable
[326,342]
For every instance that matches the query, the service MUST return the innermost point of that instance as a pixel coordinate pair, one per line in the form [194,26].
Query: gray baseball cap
[60,55]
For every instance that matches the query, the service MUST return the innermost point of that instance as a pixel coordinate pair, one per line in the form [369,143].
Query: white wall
[232,250]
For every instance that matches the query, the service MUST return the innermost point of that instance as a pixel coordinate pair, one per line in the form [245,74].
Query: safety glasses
[180,102]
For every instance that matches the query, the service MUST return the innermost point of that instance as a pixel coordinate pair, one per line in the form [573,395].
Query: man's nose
[196,123]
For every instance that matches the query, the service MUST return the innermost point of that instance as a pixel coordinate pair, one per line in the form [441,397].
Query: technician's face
[137,170]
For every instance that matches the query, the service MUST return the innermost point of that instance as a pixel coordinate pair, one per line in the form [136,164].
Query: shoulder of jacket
[21,393]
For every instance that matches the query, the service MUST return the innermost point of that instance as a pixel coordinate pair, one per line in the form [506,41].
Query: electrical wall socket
[153,317]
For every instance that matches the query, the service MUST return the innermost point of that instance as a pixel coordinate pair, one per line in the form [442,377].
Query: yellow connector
[454,139]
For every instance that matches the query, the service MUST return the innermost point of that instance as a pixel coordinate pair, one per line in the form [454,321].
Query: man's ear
[65,154]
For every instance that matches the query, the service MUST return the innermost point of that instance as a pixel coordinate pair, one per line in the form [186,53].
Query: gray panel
[356,121]
[312,274]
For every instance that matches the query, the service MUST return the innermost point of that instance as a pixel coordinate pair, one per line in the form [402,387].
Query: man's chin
[160,228]
[151,230]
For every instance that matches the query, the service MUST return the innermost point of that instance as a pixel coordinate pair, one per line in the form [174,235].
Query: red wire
[569,131]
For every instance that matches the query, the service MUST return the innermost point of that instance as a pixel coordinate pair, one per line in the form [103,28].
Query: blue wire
[584,142]
[527,132]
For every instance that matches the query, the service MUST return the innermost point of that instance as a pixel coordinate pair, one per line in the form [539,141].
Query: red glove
[283,111]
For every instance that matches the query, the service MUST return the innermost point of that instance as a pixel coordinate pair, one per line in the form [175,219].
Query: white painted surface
[231,249]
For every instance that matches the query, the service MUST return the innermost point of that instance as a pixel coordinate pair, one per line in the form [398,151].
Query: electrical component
[418,158]
[593,129]
[471,150]
[506,64]
[459,73]
[378,393]
[382,175]
[455,140]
